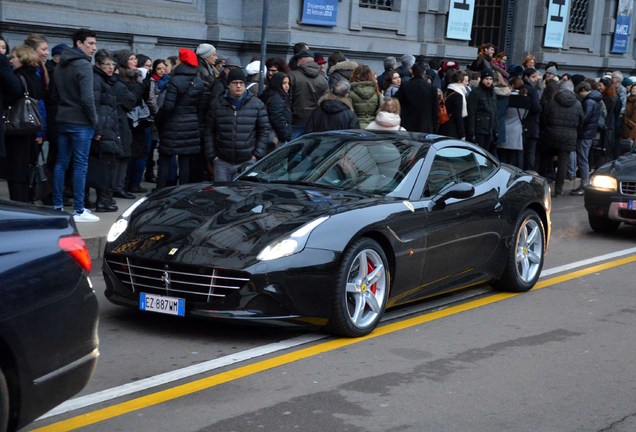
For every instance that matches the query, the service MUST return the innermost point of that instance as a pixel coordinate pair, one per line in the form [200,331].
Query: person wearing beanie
[178,120]
[576,79]
[206,60]
[482,123]
[531,122]
[237,128]
[591,103]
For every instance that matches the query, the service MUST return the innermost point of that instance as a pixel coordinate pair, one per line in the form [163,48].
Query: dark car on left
[48,313]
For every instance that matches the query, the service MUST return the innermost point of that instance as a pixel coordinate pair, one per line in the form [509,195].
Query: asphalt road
[560,358]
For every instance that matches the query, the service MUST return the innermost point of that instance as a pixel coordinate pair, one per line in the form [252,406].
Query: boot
[105,202]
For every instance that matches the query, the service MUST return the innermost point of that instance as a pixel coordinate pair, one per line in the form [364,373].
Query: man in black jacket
[591,114]
[334,111]
[482,122]
[418,98]
[531,121]
[237,129]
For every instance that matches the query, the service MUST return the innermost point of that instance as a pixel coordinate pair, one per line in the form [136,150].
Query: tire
[525,254]
[4,403]
[362,290]
[602,225]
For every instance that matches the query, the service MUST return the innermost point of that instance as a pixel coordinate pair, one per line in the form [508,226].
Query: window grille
[487,22]
[578,16]
[387,5]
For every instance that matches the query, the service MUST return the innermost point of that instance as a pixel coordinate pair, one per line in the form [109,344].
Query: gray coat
[74,82]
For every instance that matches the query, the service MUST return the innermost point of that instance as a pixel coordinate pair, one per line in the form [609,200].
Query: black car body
[48,312]
[330,230]
[610,198]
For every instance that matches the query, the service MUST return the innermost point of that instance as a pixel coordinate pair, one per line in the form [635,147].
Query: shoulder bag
[22,117]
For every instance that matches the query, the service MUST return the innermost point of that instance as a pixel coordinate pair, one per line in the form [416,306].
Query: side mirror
[453,190]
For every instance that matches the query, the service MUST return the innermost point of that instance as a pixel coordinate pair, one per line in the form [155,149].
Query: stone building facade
[364,30]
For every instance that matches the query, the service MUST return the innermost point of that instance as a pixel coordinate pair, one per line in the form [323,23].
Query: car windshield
[381,166]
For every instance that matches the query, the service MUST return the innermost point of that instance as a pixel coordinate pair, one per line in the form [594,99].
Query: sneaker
[85,216]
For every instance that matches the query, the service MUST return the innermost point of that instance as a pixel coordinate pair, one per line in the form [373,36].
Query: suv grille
[628,188]
[197,284]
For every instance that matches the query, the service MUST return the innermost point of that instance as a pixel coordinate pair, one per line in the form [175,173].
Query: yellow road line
[241,372]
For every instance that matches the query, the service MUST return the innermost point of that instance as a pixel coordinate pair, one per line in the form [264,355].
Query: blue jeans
[73,141]
[583,159]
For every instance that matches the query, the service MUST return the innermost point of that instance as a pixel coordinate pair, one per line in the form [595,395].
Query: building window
[387,5]
[487,22]
[578,16]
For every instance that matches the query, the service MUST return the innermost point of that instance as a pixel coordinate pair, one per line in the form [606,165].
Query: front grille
[627,214]
[628,188]
[197,284]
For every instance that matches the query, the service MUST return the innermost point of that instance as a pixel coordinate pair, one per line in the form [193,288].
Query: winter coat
[334,113]
[560,121]
[10,90]
[420,108]
[128,95]
[340,71]
[391,91]
[179,117]
[518,107]
[482,113]
[365,101]
[280,116]
[629,119]
[107,127]
[531,122]
[237,130]
[591,115]
[308,85]
[454,127]
[386,121]
[74,83]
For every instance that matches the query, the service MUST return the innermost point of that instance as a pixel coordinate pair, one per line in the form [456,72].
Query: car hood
[229,223]
[623,168]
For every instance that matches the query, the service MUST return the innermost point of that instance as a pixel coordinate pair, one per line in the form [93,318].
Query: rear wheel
[525,255]
[602,225]
[4,403]
[362,290]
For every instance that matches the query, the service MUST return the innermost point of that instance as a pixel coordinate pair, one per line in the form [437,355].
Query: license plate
[632,204]
[162,304]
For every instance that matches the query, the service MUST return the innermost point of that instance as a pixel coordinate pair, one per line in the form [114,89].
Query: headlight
[291,244]
[604,182]
[121,224]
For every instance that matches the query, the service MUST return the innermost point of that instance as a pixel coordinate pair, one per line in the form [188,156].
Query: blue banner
[623,27]
[320,12]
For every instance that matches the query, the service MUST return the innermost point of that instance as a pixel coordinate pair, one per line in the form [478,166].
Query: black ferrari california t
[330,230]
[610,198]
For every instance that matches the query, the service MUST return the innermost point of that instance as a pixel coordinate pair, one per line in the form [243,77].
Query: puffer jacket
[279,113]
[179,117]
[127,98]
[365,101]
[107,113]
[74,82]
[482,113]
[560,121]
[308,85]
[236,133]
[334,113]
[591,115]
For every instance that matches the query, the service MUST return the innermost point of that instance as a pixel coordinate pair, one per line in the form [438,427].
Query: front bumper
[610,205]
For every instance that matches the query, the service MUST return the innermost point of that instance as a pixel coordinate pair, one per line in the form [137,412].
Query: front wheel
[602,225]
[361,291]
[525,254]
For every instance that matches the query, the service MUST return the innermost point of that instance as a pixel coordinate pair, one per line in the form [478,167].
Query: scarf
[461,89]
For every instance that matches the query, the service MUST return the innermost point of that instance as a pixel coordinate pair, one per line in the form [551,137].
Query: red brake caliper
[370,269]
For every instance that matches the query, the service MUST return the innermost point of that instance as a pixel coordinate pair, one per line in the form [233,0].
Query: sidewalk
[94,233]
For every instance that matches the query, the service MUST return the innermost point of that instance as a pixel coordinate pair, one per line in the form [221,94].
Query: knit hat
[626,82]
[577,78]
[57,49]
[485,73]
[253,68]
[303,54]
[236,74]
[233,61]
[121,57]
[205,50]
[188,57]
[516,70]
[552,70]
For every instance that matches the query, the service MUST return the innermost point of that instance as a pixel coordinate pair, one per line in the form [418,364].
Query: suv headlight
[604,182]
[293,243]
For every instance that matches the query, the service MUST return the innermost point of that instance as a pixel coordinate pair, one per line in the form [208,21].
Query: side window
[454,164]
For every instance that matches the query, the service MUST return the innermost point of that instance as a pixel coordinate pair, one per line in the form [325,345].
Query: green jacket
[365,101]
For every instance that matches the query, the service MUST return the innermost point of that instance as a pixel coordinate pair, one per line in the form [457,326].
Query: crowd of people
[107,114]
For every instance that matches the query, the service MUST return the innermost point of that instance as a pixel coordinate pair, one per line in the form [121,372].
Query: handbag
[443,116]
[39,179]
[23,117]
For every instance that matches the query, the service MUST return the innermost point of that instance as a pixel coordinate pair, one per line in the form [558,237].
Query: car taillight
[75,246]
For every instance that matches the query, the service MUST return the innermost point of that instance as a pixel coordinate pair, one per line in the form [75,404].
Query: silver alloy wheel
[529,250]
[366,287]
